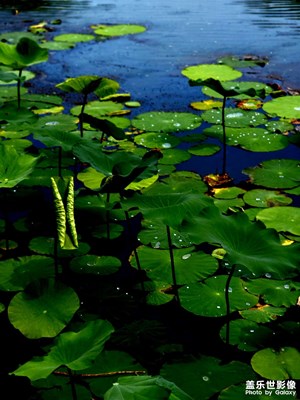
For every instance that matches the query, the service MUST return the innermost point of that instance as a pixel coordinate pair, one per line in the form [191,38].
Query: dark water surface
[179,33]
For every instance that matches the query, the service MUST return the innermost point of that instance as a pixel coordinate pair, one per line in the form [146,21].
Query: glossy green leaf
[159,121]
[277,365]
[98,108]
[118,30]
[206,149]
[157,140]
[206,71]
[266,198]
[174,156]
[45,245]
[96,265]
[246,243]
[73,37]
[158,292]
[285,107]
[263,313]
[91,178]
[75,350]
[208,298]
[43,310]
[235,118]
[283,219]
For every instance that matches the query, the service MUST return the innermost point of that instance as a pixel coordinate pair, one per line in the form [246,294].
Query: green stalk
[224,137]
[107,216]
[172,264]
[73,385]
[228,304]
[81,114]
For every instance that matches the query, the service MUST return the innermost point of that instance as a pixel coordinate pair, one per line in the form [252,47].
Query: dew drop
[218,306]
[252,330]
[205,378]
[45,312]
[286,286]
[166,145]
[267,275]
[186,256]
[157,245]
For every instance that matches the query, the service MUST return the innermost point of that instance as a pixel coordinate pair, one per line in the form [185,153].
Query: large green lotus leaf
[73,37]
[118,30]
[91,178]
[160,121]
[16,274]
[154,233]
[178,182]
[26,76]
[98,108]
[157,140]
[42,101]
[92,153]
[229,204]
[266,198]
[190,265]
[65,140]
[174,156]
[14,37]
[246,243]
[283,219]
[208,298]
[111,231]
[157,292]
[276,293]
[263,314]
[252,139]
[235,118]
[10,92]
[206,71]
[54,46]
[277,174]
[277,365]
[169,208]
[55,123]
[75,350]
[18,144]
[86,84]
[14,166]
[237,90]
[25,53]
[143,183]
[43,310]
[45,245]
[227,192]
[279,126]
[285,107]
[8,113]
[247,335]
[97,265]
[42,177]
[205,149]
[204,377]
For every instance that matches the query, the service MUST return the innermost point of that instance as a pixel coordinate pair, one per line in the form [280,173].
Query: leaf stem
[72,382]
[81,114]
[172,264]
[228,304]
[224,166]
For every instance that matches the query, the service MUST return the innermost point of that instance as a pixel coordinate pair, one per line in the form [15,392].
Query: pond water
[178,34]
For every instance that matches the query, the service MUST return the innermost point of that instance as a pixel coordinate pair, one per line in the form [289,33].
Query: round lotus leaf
[274,292]
[156,293]
[174,156]
[98,108]
[45,245]
[229,204]
[263,313]
[208,298]
[283,219]
[157,140]
[54,46]
[284,107]
[227,193]
[26,76]
[91,178]
[118,30]
[73,37]
[92,264]
[266,198]
[240,90]
[279,126]
[55,123]
[277,365]
[206,105]
[277,174]
[8,92]
[43,311]
[247,335]
[235,118]
[208,71]
[159,121]
[206,149]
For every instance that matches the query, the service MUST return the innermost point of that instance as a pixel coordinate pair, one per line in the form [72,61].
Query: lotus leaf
[227,193]
[203,72]
[45,245]
[75,350]
[206,375]
[277,174]
[279,126]
[283,219]
[92,264]
[118,30]
[174,156]
[245,242]
[157,293]
[284,107]
[103,231]
[159,121]
[237,90]
[157,140]
[235,118]
[74,37]
[190,266]
[98,108]
[43,310]
[206,149]
[266,198]
[277,365]
[206,105]
[208,298]
[91,178]
[263,313]
[276,293]
[247,335]
[14,166]
[229,204]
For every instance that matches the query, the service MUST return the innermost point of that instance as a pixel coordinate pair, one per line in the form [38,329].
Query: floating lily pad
[283,219]
[235,118]
[243,62]
[159,121]
[118,30]
[277,174]
[206,149]
[207,71]
[263,313]
[247,335]
[208,298]
[157,293]
[174,156]
[96,265]
[266,198]
[227,193]
[279,126]
[55,46]
[229,204]
[73,37]
[206,105]
[277,365]
[45,245]
[240,90]
[157,140]
[284,107]
[98,108]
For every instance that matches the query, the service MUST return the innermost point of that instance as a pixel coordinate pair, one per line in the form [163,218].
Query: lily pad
[235,118]
[73,37]
[98,108]
[284,107]
[263,313]
[283,219]
[174,156]
[157,140]
[205,149]
[159,121]
[207,71]
[118,30]
[92,264]
[266,198]
[277,174]
[158,292]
